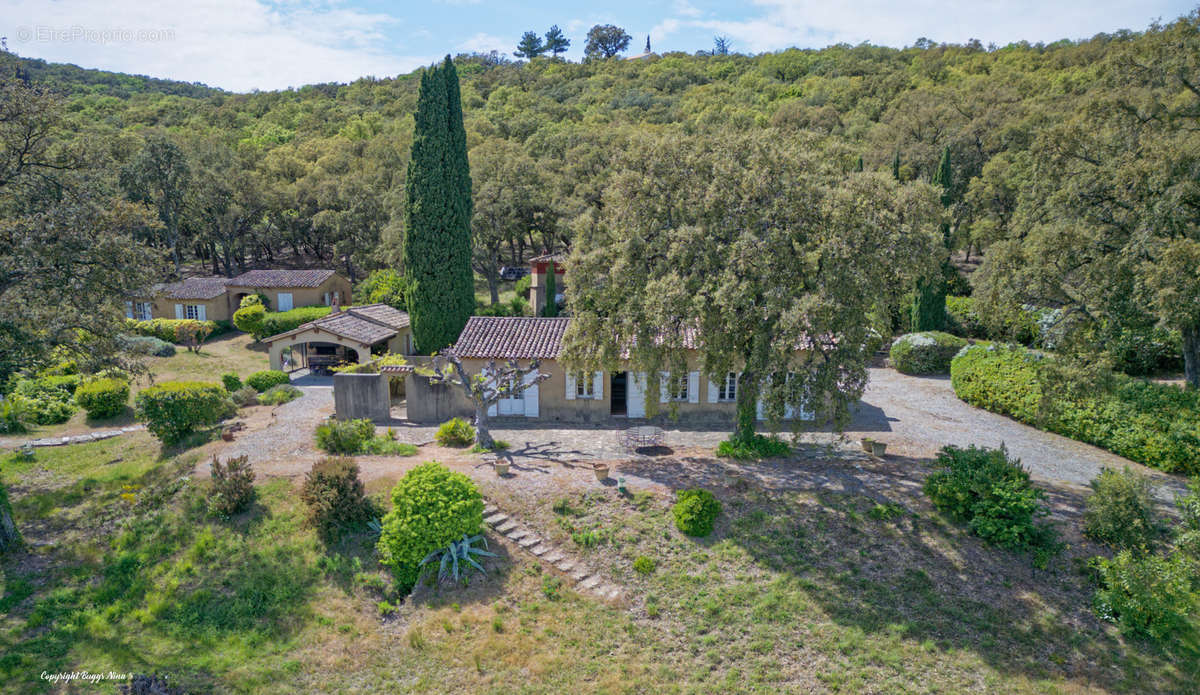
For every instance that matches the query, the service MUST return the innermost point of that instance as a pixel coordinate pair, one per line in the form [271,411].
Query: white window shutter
[570,386]
[664,391]
[531,397]
[128,310]
[178,311]
[693,387]
[598,385]
[203,314]
[635,399]
[712,391]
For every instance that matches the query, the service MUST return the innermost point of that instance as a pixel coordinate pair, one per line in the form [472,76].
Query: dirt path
[918,415]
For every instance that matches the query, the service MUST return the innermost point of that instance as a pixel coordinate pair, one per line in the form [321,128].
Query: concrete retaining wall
[361,396]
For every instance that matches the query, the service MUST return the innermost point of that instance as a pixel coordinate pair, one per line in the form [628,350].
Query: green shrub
[925,353]
[383,286]
[169,329]
[994,496]
[695,512]
[232,486]
[1154,424]
[644,565]
[147,345]
[961,319]
[278,322]
[1147,595]
[245,396]
[335,497]
[753,448]
[261,381]
[231,381]
[522,286]
[431,506]
[174,409]
[250,319]
[383,446]
[344,436]
[46,400]
[13,416]
[102,398]
[1120,510]
[282,393]
[517,306]
[455,432]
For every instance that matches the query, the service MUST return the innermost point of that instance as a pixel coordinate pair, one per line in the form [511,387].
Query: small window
[141,311]
[585,385]
[191,311]
[679,387]
[727,391]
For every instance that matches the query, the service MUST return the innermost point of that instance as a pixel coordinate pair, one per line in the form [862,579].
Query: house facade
[217,298]
[568,397]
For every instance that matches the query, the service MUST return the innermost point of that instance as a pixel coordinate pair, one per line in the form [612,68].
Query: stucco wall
[361,396]
[301,296]
[164,307]
[434,403]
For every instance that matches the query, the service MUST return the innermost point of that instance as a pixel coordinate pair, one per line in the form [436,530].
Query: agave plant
[458,552]
[376,526]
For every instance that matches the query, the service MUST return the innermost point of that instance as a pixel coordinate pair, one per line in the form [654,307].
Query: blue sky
[271,44]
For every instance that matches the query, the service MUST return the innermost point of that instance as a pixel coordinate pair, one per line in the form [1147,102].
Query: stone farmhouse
[565,396]
[216,298]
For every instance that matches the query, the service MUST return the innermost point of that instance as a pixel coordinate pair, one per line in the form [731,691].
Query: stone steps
[584,578]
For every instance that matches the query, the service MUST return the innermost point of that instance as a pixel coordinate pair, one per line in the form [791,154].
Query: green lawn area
[233,351]
[795,591]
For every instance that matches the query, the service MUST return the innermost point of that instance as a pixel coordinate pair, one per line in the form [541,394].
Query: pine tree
[437,242]
[530,47]
[555,41]
[551,308]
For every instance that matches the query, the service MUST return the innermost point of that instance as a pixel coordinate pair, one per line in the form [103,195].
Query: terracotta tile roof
[367,324]
[547,257]
[510,337]
[282,278]
[194,288]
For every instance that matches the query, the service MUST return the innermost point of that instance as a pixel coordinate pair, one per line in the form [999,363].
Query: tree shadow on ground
[919,576]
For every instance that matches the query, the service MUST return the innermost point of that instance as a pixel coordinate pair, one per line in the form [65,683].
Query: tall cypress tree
[929,304]
[437,239]
[551,308]
[896,166]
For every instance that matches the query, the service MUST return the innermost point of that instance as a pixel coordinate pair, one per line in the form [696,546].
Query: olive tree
[755,250]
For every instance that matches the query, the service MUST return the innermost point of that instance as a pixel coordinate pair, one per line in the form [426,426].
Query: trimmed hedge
[278,322]
[167,329]
[261,381]
[431,506]
[174,409]
[1154,424]
[102,398]
[46,400]
[925,353]
[147,345]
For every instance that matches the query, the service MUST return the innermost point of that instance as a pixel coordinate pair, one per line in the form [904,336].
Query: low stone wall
[358,396]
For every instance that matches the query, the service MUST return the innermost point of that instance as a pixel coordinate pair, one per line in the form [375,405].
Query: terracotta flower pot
[227,435]
[601,472]
[501,467]
[866,444]
[878,448]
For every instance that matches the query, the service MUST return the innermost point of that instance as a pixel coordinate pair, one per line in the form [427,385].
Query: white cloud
[484,42]
[784,23]
[234,44]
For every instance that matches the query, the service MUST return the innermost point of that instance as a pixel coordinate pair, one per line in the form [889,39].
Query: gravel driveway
[918,415]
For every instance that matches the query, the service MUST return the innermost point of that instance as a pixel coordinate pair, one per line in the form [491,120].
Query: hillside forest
[1067,172]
